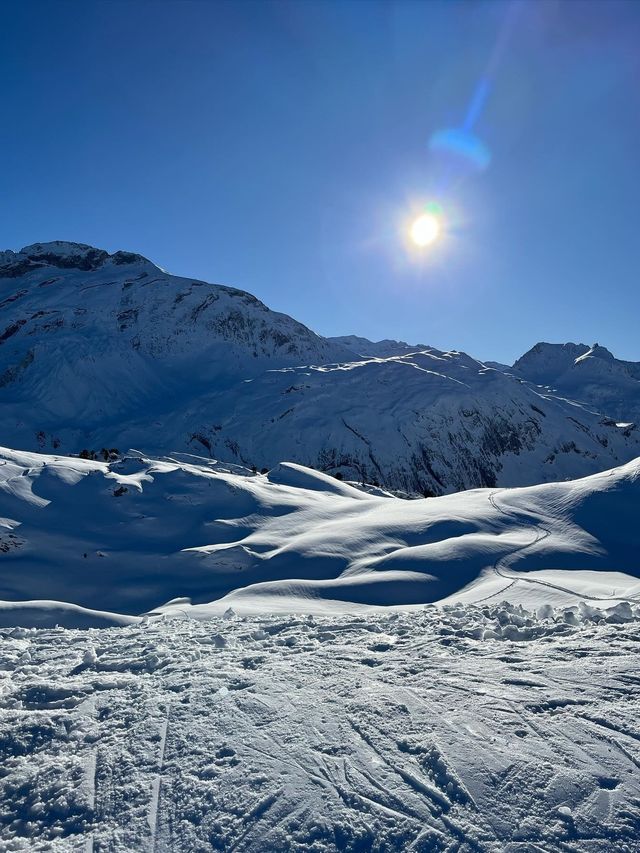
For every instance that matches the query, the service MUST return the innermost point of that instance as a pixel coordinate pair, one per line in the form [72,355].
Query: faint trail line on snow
[394,813]
[542,533]
[436,801]
[255,814]
[90,781]
[156,783]
[494,594]
[609,726]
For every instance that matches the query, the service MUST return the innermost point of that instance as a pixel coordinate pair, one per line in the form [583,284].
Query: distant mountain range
[108,350]
[590,374]
[364,348]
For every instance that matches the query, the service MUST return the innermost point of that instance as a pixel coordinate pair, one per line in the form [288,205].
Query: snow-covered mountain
[89,337]
[100,350]
[364,348]
[428,423]
[592,375]
[284,661]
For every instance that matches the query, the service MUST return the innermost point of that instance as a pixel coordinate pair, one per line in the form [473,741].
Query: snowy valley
[262,590]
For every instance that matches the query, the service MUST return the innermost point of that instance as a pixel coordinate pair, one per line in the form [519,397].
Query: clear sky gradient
[283,148]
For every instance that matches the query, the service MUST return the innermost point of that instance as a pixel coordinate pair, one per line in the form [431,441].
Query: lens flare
[425,230]
[464,151]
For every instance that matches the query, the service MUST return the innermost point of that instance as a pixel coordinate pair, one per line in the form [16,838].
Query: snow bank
[48,614]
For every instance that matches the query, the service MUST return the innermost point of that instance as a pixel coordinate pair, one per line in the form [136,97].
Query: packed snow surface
[489,728]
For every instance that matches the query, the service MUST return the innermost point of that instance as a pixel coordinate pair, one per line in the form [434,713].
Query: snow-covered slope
[128,536]
[100,350]
[89,338]
[592,375]
[428,423]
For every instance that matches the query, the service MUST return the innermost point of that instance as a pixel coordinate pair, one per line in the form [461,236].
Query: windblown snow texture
[128,536]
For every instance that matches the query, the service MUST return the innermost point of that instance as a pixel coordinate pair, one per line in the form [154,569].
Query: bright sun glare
[425,229]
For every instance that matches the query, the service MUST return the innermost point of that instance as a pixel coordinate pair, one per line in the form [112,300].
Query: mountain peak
[62,254]
[364,348]
[544,362]
[596,351]
[63,248]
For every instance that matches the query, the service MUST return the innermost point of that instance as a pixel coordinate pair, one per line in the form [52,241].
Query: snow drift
[127,536]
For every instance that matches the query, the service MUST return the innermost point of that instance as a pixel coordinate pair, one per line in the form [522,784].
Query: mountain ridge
[100,349]
[591,374]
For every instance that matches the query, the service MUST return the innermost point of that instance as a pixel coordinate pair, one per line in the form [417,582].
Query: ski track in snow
[423,731]
[501,569]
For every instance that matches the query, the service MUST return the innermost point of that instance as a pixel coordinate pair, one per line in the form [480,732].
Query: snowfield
[305,697]
[129,536]
[467,728]
[232,652]
[336,668]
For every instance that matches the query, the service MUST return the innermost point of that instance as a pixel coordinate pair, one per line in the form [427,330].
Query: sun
[425,229]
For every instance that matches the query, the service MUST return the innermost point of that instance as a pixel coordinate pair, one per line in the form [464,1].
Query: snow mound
[49,614]
[299,477]
[127,535]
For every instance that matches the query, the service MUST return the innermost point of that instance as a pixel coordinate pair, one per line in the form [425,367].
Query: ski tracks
[391,733]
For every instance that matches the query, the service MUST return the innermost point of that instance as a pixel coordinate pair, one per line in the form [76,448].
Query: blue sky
[283,148]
